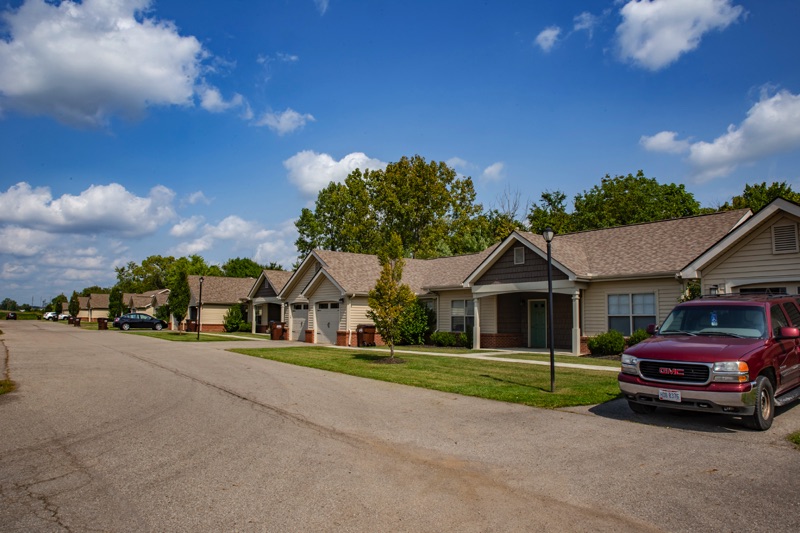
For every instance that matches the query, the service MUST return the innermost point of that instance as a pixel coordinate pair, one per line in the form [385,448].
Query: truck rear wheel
[761,420]
[640,408]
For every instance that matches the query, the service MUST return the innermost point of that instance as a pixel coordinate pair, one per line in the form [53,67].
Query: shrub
[232,319]
[608,343]
[443,338]
[638,336]
[414,324]
[246,327]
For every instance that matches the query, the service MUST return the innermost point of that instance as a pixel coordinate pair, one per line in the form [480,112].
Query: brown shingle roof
[357,273]
[641,249]
[98,301]
[83,302]
[278,278]
[220,290]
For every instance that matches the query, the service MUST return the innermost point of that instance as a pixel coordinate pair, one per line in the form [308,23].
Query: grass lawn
[182,336]
[434,349]
[507,382]
[561,359]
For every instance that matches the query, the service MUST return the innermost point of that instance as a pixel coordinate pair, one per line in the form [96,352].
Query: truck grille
[674,372]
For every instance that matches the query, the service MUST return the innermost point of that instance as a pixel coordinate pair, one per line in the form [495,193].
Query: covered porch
[520,316]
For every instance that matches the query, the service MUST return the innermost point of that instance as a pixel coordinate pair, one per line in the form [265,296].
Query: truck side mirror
[652,329]
[789,333]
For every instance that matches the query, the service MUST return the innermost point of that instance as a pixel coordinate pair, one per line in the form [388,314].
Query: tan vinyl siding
[293,296]
[213,314]
[595,300]
[751,263]
[488,316]
[99,313]
[445,298]
[325,292]
[358,311]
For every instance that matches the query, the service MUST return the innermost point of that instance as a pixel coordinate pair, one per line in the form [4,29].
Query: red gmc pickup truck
[732,354]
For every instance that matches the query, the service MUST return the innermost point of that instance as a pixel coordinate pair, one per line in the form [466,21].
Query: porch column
[252,317]
[576,322]
[476,329]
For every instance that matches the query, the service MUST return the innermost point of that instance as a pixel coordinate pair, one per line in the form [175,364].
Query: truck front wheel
[765,405]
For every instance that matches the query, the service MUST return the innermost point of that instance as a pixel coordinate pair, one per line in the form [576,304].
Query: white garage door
[299,322]
[327,322]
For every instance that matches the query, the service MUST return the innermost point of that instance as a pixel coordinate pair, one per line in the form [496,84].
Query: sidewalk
[498,356]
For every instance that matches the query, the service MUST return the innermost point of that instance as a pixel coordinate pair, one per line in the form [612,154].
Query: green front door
[537,320]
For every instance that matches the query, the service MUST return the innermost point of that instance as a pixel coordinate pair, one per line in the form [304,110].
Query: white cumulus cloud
[655,33]
[494,172]
[82,62]
[311,172]
[664,141]
[772,126]
[547,38]
[284,122]
[186,227]
[99,209]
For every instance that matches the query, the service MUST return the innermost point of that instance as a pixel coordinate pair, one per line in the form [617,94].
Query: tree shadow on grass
[379,359]
[527,385]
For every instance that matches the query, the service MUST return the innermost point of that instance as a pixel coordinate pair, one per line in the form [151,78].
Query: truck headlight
[630,364]
[731,372]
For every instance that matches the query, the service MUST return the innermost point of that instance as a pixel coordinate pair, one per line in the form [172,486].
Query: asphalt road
[116,432]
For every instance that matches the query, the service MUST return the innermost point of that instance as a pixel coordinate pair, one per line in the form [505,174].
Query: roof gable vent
[784,239]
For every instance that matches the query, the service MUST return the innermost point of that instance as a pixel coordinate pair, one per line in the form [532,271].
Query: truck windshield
[729,320]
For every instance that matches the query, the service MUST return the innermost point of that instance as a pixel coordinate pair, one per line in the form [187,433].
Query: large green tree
[94,289]
[241,267]
[149,276]
[758,195]
[425,203]
[390,298]
[8,305]
[179,295]
[74,304]
[55,304]
[630,199]
[551,212]
[115,305]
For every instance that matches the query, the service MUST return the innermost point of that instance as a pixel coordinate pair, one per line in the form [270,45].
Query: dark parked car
[11,316]
[139,320]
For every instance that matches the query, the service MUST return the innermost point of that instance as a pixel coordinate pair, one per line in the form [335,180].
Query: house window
[784,239]
[462,315]
[322,306]
[629,312]
[765,290]
[299,307]
[519,256]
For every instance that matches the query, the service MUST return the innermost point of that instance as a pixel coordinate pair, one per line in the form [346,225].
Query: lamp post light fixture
[548,235]
[199,307]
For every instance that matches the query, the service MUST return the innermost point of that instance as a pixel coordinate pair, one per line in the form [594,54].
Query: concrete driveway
[118,432]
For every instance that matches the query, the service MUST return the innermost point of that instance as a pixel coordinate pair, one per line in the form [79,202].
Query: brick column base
[501,340]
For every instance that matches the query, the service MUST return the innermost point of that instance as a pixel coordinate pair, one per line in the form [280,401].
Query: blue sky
[133,127]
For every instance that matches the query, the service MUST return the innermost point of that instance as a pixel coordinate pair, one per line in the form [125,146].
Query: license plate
[669,395]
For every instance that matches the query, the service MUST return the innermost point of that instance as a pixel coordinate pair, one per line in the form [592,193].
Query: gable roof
[220,290]
[653,248]
[358,273]
[98,301]
[660,248]
[277,279]
[690,270]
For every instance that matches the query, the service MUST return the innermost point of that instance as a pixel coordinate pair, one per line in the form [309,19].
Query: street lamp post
[548,235]
[199,307]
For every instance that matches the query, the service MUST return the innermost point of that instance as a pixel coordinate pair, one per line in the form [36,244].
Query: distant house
[98,306]
[622,278]
[147,302]
[83,308]
[265,305]
[218,295]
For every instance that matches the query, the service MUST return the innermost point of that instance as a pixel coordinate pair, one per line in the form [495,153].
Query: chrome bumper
[732,403]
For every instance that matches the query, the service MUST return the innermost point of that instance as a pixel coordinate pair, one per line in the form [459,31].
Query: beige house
[218,295]
[326,299]
[622,278]
[760,255]
[147,302]
[265,305]
[98,306]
